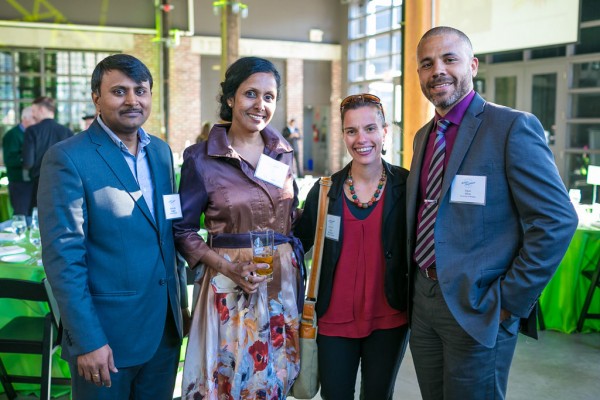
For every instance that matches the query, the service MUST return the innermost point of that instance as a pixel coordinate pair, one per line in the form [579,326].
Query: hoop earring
[383,149]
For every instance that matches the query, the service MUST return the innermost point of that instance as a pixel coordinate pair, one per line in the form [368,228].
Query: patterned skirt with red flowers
[244,346]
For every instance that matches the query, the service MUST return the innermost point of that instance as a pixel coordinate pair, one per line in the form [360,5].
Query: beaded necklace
[375,197]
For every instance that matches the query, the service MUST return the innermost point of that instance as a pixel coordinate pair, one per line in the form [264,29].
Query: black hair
[237,73]
[127,64]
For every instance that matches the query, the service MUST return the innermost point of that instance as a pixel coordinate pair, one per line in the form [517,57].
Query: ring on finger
[247,278]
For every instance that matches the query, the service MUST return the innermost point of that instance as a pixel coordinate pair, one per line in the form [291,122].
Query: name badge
[271,171]
[468,189]
[172,206]
[332,229]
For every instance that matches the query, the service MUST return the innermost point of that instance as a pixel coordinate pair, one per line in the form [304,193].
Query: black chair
[594,277]
[30,335]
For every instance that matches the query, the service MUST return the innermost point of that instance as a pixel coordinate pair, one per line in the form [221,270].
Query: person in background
[363,288]
[244,337]
[292,134]
[489,220]
[203,136]
[39,138]
[108,244]
[87,120]
[20,188]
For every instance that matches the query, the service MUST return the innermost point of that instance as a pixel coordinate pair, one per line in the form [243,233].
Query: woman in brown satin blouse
[244,337]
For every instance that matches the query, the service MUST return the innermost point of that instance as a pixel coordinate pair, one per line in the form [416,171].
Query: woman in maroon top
[361,305]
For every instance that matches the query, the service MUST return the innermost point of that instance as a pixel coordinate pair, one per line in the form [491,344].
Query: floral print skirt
[244,346]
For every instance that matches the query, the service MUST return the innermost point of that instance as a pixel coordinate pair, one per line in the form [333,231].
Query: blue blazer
[501,254]
[111,266]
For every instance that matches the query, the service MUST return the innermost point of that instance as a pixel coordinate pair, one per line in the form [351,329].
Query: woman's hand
[246,277]
[244,274]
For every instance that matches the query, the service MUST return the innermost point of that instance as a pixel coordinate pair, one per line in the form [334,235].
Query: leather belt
[431,273]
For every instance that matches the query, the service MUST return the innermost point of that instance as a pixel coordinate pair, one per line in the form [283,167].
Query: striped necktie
[425,249]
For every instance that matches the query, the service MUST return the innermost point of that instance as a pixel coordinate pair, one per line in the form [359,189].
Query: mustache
[440,81]
[129,110]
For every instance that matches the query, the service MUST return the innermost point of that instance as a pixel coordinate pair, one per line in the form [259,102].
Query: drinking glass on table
[19,225]
[262,251]
[35,240]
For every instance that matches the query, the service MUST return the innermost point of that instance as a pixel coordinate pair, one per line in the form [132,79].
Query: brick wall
[184,91]
[184,87]
[149,53]
[294,94]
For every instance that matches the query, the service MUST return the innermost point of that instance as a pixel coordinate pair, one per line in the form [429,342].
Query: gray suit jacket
[110,264]
[501,254]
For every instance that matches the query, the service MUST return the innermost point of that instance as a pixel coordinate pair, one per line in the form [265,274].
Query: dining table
[26,265]
[562,299]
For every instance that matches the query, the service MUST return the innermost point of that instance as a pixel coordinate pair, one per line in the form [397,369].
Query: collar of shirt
[143,137]
[456,114]
[218,144]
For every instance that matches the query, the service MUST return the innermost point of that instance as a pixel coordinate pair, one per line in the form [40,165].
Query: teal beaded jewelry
[376,195]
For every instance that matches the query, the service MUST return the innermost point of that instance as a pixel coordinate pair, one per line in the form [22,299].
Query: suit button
[162,282]
[388,254]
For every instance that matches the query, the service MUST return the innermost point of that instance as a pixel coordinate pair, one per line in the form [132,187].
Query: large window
[583,126]
[375,52]
[63,75]
[375,43]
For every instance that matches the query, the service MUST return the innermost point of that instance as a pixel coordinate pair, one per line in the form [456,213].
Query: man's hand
[96,366]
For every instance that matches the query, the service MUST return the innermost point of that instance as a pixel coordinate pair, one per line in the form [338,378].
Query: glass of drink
[575,195]
[262,251]
[36,241]
[19,225]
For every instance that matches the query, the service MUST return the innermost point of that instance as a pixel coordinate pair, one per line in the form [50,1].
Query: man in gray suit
[108,244]
[489,220]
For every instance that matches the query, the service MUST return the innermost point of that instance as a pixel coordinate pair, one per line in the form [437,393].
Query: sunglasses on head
[362,98]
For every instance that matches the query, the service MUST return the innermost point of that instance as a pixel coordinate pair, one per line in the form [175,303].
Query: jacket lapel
[158,176]
[466,132]
[412,183]
[111,154]
[391,193]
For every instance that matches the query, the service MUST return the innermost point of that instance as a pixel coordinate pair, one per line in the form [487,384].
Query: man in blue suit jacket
[504,221]
[108,244]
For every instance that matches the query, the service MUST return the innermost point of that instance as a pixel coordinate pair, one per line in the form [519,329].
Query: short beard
[463,87]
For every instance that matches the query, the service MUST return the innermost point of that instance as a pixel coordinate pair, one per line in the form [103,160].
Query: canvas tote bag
[307,384]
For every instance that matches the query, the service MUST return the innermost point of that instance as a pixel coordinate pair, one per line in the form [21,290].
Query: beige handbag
[307,384]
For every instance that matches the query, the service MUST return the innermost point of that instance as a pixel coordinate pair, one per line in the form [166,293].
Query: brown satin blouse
[216,181]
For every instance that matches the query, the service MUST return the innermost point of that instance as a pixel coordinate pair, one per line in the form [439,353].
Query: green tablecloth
[25,364]
[562,300]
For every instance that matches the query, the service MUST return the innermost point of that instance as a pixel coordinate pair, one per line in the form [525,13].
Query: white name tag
[172,206]
[271,171]
[468,189]
[332,229]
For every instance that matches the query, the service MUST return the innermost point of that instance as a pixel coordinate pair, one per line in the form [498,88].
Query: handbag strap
[308,323]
